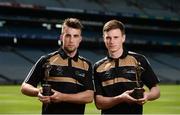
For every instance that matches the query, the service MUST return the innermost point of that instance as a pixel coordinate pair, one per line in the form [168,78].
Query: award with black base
[46,88]
[138,91]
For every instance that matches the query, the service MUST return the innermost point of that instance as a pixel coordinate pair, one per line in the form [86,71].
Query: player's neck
[71,54]
[116,54]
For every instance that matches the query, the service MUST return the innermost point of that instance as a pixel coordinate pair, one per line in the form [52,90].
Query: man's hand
[56,97]
[143,100]
[127,98]
[43,99]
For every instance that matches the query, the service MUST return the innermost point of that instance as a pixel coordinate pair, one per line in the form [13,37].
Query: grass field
[13,102]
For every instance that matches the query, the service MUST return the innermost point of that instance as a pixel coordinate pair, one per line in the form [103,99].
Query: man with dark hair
[68,74]
[121,72]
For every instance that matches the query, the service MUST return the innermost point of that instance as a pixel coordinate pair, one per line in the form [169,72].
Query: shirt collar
[124,54]
[63,54]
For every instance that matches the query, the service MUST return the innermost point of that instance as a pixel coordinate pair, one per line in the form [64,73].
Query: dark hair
[73,23]
[114,24]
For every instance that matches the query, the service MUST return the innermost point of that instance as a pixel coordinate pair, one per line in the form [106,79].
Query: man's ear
[124,38]
[61,37]
[60,40]
[81,38]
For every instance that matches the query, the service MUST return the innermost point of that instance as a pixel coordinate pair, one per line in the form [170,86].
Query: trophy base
[138,93]
[46,90]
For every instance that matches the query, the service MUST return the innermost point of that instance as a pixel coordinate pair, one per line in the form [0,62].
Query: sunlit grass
[12,101]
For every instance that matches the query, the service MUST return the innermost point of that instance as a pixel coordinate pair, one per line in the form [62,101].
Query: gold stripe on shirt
[63,79]
[115,80]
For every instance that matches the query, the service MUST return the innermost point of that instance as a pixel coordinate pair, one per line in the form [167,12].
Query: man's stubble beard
[70,50]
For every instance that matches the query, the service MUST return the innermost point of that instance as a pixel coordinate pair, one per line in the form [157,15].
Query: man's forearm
[79,98]
[154,93]
[107,102]
[29,90]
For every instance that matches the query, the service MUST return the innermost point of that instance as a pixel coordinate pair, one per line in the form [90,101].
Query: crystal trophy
[138,90]
[46,88]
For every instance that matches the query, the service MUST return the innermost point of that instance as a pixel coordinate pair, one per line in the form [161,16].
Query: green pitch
[12,101]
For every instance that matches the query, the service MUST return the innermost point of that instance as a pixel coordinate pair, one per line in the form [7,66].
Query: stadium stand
[16,63]
[157,8]
[26,24]
[82,4]
[166,66]
[50,3]
[13,67]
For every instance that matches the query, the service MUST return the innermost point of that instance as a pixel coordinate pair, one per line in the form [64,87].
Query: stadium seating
[13,67]
[157,8]
[17,61]
[165,65]
[52,3]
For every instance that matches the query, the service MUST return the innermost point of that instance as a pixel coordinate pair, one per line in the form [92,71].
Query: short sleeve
[148,77]
[89,79]
[36,74]
[97,82]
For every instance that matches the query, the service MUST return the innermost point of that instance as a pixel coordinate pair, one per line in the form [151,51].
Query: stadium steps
[167,64]
[166,69]
[22,56]
[164,79]
[8,80]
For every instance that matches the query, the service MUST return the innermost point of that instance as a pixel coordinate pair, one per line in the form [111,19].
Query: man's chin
[70,50]
[113,50]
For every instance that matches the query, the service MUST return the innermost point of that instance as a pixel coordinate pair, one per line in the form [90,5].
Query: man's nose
[71,39]
[111,41]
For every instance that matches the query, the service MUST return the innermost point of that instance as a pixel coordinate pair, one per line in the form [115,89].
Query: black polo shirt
[114,76]
[67,75]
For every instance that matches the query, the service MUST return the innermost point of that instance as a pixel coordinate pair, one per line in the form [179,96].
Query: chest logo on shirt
[80,74]
[129,71]
[59,70]
[107,74]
